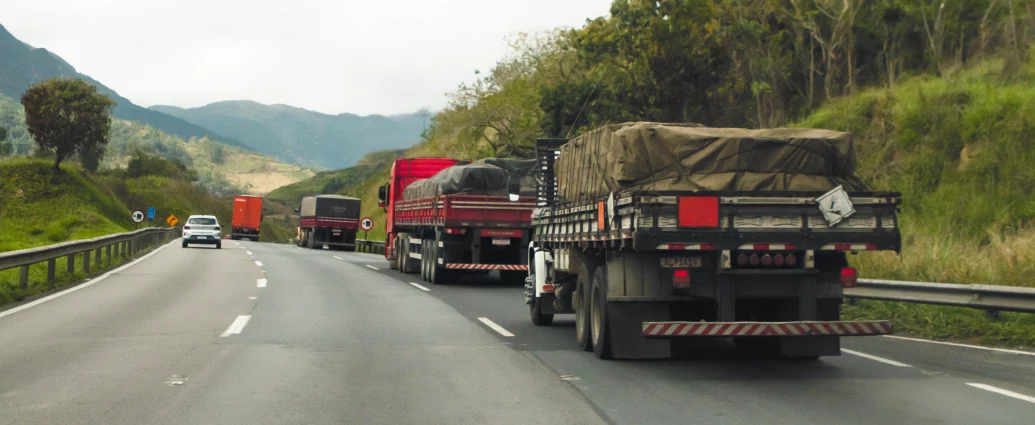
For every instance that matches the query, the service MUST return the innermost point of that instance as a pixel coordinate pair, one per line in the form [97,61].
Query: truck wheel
[536,311]
[581,299]
[601,330]
[439,274]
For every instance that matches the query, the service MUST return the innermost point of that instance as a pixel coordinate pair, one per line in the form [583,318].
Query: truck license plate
[681,262]
[501,242]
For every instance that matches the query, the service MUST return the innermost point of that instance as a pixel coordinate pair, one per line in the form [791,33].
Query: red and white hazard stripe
[768,247]
[833,328]
[849,247]
[687,247]
[458,266]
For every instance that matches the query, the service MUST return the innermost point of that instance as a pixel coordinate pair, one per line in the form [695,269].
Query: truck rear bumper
[459,266]
[766,329]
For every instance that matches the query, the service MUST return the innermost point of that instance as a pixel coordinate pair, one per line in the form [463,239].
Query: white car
[202,229]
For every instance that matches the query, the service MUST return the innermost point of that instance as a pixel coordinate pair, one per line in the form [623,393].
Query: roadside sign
[172,220]
[150,213]
[366,223]
[137,216]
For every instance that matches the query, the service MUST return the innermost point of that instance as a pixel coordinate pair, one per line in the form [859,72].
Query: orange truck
[247,217]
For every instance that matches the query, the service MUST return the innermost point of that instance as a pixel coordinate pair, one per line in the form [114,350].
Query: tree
[5,147]
[91,158]
[67,116]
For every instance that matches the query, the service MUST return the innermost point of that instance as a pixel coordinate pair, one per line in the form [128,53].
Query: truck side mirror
[514,186]
[382,194]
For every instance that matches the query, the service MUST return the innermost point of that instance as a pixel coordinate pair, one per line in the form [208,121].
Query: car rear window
[202,221]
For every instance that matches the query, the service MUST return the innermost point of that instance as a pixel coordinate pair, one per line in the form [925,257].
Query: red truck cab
[247,217]
[404,172]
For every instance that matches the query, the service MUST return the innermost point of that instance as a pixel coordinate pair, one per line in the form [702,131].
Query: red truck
[247,217]
[329,220]
[461,225]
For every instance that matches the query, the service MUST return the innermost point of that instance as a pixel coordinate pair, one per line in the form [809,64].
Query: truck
[697,232]
[247,217]
[445,216]
[330,220]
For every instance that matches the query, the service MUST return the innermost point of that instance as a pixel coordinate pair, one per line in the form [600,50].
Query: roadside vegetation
[938,94]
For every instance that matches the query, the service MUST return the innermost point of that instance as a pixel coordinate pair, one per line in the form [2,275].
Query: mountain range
[306,137]
[22,65]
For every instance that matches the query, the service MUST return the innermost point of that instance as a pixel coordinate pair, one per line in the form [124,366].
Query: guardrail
[123,244]
[373,247]
[990,298]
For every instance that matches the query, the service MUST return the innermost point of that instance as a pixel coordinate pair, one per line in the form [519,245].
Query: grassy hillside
[301,136]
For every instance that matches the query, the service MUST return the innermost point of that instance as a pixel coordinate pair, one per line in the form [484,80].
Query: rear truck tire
[439,274]
[411,265]
[581,299]
[536,311]
[423,260]
[600,328]
[404,254]
[427,259]
[312,239]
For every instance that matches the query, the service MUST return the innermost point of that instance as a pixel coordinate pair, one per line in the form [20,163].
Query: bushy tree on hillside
[67,116]
[5,146]
[91,158]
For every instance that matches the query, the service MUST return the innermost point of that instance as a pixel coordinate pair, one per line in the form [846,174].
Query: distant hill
[305,137]
[22,65]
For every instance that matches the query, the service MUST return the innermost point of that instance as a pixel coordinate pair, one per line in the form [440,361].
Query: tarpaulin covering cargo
[654,157]
[483,177]
[336,206]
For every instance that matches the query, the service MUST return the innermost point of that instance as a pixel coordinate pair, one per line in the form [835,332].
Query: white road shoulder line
[953,344]
[85,284]
[419,286]
[874,358]
[249,253]
[236,327]
[258,263]
[499,329]
[1007,393]
[335,256]
[261,283]
[372,267]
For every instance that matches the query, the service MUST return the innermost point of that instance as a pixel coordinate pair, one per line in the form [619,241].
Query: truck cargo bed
[465,211]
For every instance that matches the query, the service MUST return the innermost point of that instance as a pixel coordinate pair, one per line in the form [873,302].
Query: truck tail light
[699,211]
[742,259]
[848,277]
[767,260]
[456,231]
[681,278]
[791,260]
[754,259]
[778,259]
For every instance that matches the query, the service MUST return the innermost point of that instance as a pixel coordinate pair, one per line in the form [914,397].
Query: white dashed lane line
[874,358]
[419,286]
[258,263]
[1001,391]
[335,256]
[261,283]
[372,267]
[236,327]
[249,253]
[492,325]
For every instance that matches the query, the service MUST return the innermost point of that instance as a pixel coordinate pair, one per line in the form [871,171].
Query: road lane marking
[953,344]
[372,267]
[418,286]
[875,358]
[338,257]
[261,283]
[499,329]
[236,327]
[253,298]
[249,253]
[1007,393]
[85,284]
[258,263]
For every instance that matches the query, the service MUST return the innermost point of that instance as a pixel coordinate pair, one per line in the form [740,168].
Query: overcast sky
[331,56]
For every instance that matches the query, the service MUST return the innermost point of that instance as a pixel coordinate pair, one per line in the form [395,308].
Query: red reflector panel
[848,278]
[699,211]
[501,233]
[681,278]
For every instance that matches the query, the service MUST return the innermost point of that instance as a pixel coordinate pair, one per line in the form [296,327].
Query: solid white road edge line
[1007,393]
[372,267]
[499,329]
[335,256]
[875,358]
[418,286]
[953,344]
[258,263]
[236,327]
[85,284]
[261,283]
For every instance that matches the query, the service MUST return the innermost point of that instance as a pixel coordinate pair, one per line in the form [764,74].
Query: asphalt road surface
[273,334]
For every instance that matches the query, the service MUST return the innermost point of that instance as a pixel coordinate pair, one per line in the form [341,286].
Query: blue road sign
[150,213]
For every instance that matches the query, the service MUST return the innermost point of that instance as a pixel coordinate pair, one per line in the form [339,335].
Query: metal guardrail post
[23,277]
[98,260]
[86,262]
[51,275]
[70,266]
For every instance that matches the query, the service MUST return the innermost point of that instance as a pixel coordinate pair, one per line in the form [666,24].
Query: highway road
[272,334]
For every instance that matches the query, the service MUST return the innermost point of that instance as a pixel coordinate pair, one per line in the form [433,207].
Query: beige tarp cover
[654,156]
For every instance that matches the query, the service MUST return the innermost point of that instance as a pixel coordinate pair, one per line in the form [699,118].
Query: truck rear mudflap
[766,329]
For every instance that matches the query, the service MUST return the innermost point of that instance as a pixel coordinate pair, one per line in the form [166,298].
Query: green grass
[959,149]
